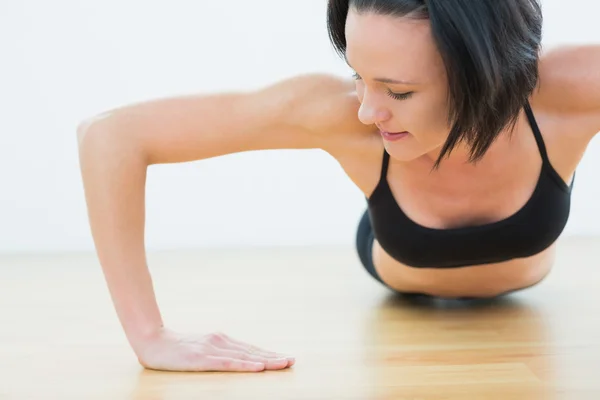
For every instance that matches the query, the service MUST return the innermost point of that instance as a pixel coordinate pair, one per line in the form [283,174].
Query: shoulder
[569,87]
[327,106]
[324,104]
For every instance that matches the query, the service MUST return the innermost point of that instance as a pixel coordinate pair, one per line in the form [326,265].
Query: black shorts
[364,245]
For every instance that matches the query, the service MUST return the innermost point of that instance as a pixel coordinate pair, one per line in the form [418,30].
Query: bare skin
[458,194]
[343,118]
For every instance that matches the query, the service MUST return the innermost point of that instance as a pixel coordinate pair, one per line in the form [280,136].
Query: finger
[245,345]
[269,355]
[254,349]
[248,348]
[270,363]
[226,364]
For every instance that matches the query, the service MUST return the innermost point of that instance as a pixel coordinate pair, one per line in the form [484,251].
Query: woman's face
[401,82]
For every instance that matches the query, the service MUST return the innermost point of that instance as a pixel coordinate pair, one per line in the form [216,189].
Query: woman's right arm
[116,148]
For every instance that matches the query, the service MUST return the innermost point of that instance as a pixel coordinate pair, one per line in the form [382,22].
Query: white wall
[66,60]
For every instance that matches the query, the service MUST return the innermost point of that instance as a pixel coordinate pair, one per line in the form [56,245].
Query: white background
[66,60]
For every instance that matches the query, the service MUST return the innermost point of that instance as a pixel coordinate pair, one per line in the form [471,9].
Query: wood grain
[352,338]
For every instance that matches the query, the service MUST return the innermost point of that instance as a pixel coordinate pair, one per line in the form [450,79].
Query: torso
[466,202]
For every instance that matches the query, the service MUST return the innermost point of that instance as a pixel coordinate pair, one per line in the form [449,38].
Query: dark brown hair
[490,50]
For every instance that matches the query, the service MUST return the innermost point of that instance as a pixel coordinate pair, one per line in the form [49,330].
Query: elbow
[81,130]
[85,127]
[100,137]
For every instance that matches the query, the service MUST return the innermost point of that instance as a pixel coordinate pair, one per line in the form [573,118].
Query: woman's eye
[399,96]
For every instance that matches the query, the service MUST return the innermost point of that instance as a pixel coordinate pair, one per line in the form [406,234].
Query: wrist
[140,337]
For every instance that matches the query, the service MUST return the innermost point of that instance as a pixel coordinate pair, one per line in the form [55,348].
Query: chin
[400,152]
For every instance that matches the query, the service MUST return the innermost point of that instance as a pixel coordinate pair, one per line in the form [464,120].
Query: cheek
[423,117]
[415,116]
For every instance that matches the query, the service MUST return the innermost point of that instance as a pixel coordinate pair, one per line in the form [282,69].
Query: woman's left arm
[570,84]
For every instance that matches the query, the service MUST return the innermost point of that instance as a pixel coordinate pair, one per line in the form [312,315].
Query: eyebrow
[386,80]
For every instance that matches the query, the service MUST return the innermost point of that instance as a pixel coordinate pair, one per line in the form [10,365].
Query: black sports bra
[531,229]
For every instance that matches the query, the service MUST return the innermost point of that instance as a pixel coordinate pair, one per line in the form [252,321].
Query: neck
[459,158]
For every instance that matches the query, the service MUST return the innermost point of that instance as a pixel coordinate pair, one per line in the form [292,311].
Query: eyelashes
[399,96]
[393,95]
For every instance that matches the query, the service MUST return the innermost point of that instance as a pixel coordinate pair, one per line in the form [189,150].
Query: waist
[485,280]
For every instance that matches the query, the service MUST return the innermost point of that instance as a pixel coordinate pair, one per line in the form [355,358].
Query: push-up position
[463,135]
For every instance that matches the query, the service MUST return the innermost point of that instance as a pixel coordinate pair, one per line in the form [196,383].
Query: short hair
[490,51]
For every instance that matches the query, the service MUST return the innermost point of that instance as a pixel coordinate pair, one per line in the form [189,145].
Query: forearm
[114,176]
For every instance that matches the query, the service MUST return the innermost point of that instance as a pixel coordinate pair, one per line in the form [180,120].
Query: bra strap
[384,166]
[542,147]
[536,133]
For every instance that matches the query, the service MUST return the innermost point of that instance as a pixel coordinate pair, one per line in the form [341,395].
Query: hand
[171,351]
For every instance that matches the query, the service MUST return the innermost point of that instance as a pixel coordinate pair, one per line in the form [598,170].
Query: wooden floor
[60,339]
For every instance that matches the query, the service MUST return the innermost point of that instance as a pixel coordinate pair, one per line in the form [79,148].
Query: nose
[372,111]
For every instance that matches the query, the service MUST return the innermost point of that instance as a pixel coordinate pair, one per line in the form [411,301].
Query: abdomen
[486,280]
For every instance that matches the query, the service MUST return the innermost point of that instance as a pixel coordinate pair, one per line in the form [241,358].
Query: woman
[462,135]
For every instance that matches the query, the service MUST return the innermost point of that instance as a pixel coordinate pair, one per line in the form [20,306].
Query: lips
[393,136]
